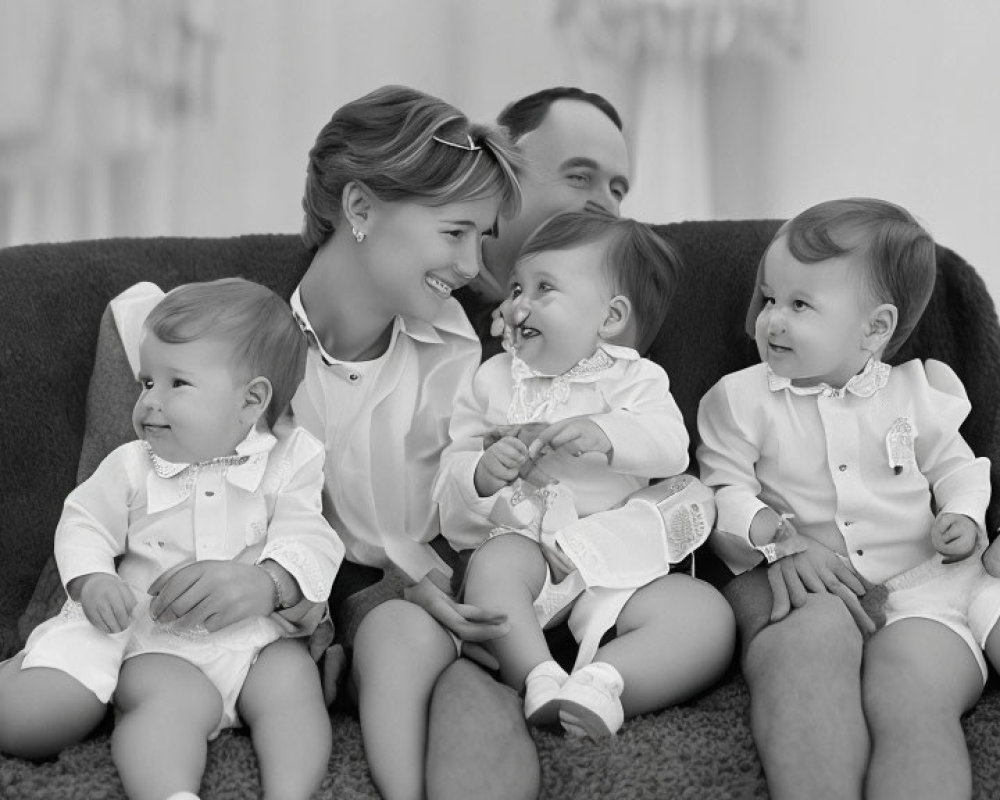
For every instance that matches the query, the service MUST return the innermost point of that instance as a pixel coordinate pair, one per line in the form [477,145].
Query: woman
[400,190]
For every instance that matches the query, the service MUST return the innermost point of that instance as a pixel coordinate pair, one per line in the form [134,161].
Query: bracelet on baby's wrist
[280,601]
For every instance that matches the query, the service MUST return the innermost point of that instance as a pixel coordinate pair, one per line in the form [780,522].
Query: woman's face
[417,255]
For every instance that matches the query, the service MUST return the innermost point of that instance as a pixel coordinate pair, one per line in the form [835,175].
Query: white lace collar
[866,383]
[535,395]
[169,483]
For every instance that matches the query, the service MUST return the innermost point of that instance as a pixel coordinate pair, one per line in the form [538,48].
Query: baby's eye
[545,286]
[800,305]
[177,382]
[515,290]
[768,301]
[146,383]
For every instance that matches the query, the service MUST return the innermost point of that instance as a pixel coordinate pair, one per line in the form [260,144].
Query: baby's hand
[106,601]
[954,536]
[576,436]
[991,559]
[499,465]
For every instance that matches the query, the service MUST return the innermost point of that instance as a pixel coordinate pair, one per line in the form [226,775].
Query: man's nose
[603,202]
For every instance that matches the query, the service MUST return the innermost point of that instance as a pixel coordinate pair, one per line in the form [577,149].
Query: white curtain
[91,94]
[651,58]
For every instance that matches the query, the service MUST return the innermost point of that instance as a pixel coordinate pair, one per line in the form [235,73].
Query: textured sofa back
[52,297]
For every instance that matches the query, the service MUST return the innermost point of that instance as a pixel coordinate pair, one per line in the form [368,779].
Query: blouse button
[860,552]
[353,376]
[842,467]
[848,523]
[209,494]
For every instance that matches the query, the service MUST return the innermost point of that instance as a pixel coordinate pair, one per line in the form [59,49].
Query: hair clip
[470,147]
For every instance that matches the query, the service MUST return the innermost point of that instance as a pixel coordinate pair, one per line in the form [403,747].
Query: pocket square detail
[899,445]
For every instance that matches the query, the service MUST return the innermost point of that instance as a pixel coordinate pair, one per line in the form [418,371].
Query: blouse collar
[866,383]
[451,320]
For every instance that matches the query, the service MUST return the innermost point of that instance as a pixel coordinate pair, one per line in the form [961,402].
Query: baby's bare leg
[43,711]
[282,704]
[676,637]
[399,652]
[919,678]
[167,710]
[507,573]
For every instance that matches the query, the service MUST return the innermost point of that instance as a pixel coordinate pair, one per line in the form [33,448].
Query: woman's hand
[816,569]
[954,536]
[212,594]
[106,600]
[469,623]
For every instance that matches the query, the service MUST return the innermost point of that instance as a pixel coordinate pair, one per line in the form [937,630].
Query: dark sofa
[51,302]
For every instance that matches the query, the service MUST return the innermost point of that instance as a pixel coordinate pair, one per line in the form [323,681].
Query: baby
[215,474]
[569,423]
[824,454]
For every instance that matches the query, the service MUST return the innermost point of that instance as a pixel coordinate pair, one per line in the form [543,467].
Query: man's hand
[815,570]
[469,623]
[213,594]
[106,600]
[954,536]
[500,465]
[576,436]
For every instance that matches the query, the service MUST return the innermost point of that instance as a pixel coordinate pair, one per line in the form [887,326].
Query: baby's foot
[541,693]
[590,702]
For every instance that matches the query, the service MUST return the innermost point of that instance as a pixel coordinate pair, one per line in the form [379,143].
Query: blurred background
[194,117]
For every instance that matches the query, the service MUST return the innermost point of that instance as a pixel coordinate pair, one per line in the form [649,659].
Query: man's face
[576,159]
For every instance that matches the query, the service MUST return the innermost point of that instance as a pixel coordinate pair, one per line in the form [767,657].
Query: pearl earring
[358,235]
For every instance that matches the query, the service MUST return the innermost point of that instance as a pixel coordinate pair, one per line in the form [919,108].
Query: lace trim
[298,560]
[535,396]
[866,383]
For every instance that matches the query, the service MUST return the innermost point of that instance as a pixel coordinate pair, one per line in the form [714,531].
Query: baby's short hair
[897,251]
[640,264]
[265,337]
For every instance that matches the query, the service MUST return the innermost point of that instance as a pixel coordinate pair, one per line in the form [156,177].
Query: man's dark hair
[524,115]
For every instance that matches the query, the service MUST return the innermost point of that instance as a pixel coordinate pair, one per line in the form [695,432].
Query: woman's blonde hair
[404,145]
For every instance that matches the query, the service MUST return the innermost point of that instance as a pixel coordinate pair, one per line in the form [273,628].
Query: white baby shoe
[541,693]
[590,701]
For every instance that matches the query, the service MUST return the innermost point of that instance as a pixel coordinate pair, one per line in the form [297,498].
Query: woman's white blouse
[857,467]
[385,424]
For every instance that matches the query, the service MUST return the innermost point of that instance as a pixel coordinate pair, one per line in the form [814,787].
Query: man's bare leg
[804,675]
[478,742]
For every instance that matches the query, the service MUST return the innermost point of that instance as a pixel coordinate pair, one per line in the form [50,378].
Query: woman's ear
[256,399]
[356,204]
[881,326]
[617,319]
